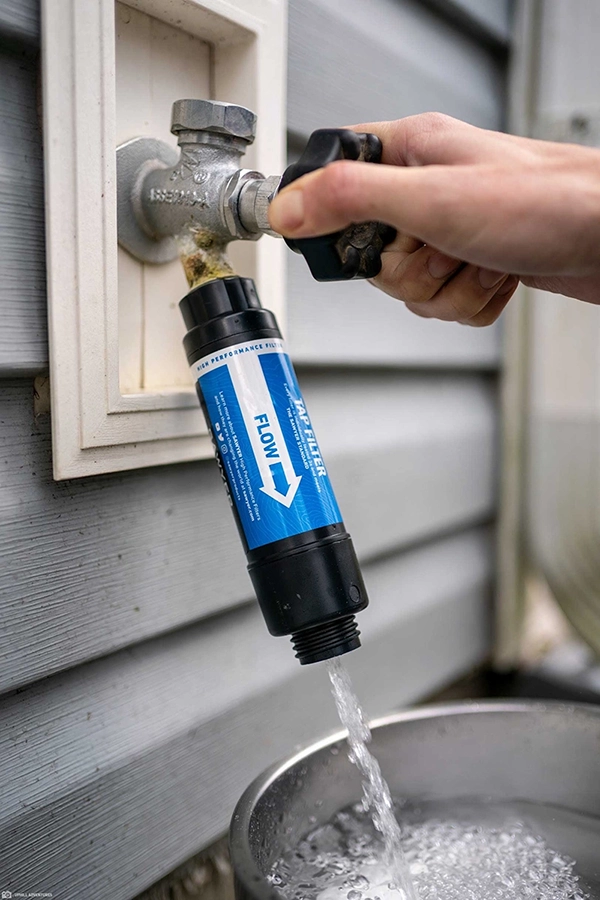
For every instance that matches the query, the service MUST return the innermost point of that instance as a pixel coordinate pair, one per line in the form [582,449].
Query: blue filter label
[265,441]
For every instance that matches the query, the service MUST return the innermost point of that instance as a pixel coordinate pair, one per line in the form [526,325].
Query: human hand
[475,211]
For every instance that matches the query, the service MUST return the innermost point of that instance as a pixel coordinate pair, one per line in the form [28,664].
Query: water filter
[300,557]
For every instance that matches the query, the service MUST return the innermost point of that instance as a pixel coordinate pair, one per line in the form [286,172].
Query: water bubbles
[358,881]
[449,858]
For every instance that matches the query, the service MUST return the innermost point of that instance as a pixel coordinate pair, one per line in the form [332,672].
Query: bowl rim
[246,871]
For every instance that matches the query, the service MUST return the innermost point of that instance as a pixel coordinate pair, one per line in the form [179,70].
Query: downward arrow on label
[282,490]
[279,480]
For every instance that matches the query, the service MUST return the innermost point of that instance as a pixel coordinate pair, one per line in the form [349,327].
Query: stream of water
[377,799]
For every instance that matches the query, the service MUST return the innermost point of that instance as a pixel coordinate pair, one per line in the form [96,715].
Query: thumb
[477,213]
[420,201]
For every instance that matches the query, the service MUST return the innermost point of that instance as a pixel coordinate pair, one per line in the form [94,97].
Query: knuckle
[435,121]
[385,281]
[420,311]
[389,274]
[394,281]
[384,284]
[464,298]
[422,128]
[461,307]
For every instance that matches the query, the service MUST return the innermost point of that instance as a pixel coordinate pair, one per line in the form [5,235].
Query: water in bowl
[469,849]
[455,850]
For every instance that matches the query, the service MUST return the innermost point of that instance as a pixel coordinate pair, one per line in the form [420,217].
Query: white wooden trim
[510,534]
[95,427]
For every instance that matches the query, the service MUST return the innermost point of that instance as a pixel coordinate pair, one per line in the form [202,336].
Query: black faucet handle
[356,251]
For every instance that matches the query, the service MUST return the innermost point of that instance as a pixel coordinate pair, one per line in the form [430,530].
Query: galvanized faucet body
[169,204]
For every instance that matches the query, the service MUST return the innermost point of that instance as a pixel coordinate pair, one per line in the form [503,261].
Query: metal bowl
[542,753]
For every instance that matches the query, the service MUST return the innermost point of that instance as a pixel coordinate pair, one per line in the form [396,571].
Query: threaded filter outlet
[327,640]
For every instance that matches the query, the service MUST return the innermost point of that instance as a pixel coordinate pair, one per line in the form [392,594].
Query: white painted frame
[95,427]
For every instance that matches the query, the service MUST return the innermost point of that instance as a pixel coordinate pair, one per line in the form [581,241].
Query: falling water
[376,793]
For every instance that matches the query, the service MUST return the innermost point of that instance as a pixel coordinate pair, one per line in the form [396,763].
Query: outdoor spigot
[191,203]
[197,202]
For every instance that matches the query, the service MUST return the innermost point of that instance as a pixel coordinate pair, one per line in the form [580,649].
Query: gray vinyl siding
[23,332]
[139,689]
[101,563]
[117,770]
[489,21]
[357,62]
[20,22]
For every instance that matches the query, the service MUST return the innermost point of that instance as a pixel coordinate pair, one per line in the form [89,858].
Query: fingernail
[439,265]
[287,211]
[489,279]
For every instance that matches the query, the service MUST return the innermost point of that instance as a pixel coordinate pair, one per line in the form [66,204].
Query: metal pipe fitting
[254,198]
[169,204]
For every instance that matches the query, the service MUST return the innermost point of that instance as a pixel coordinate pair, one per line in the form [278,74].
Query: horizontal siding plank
[96,564]
[418,450]
[361,62]
[495,15]
[487,19]
[352,324]
[23,335]
[115,772]
[20,20]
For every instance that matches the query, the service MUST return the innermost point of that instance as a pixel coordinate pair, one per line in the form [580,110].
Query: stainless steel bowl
[543,753]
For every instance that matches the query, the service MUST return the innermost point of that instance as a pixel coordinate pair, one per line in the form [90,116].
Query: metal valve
[169,202]
[194,203]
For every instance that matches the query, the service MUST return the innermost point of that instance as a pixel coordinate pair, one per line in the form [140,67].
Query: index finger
[434,138]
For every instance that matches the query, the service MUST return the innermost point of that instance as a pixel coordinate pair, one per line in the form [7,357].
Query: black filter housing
[308,584]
